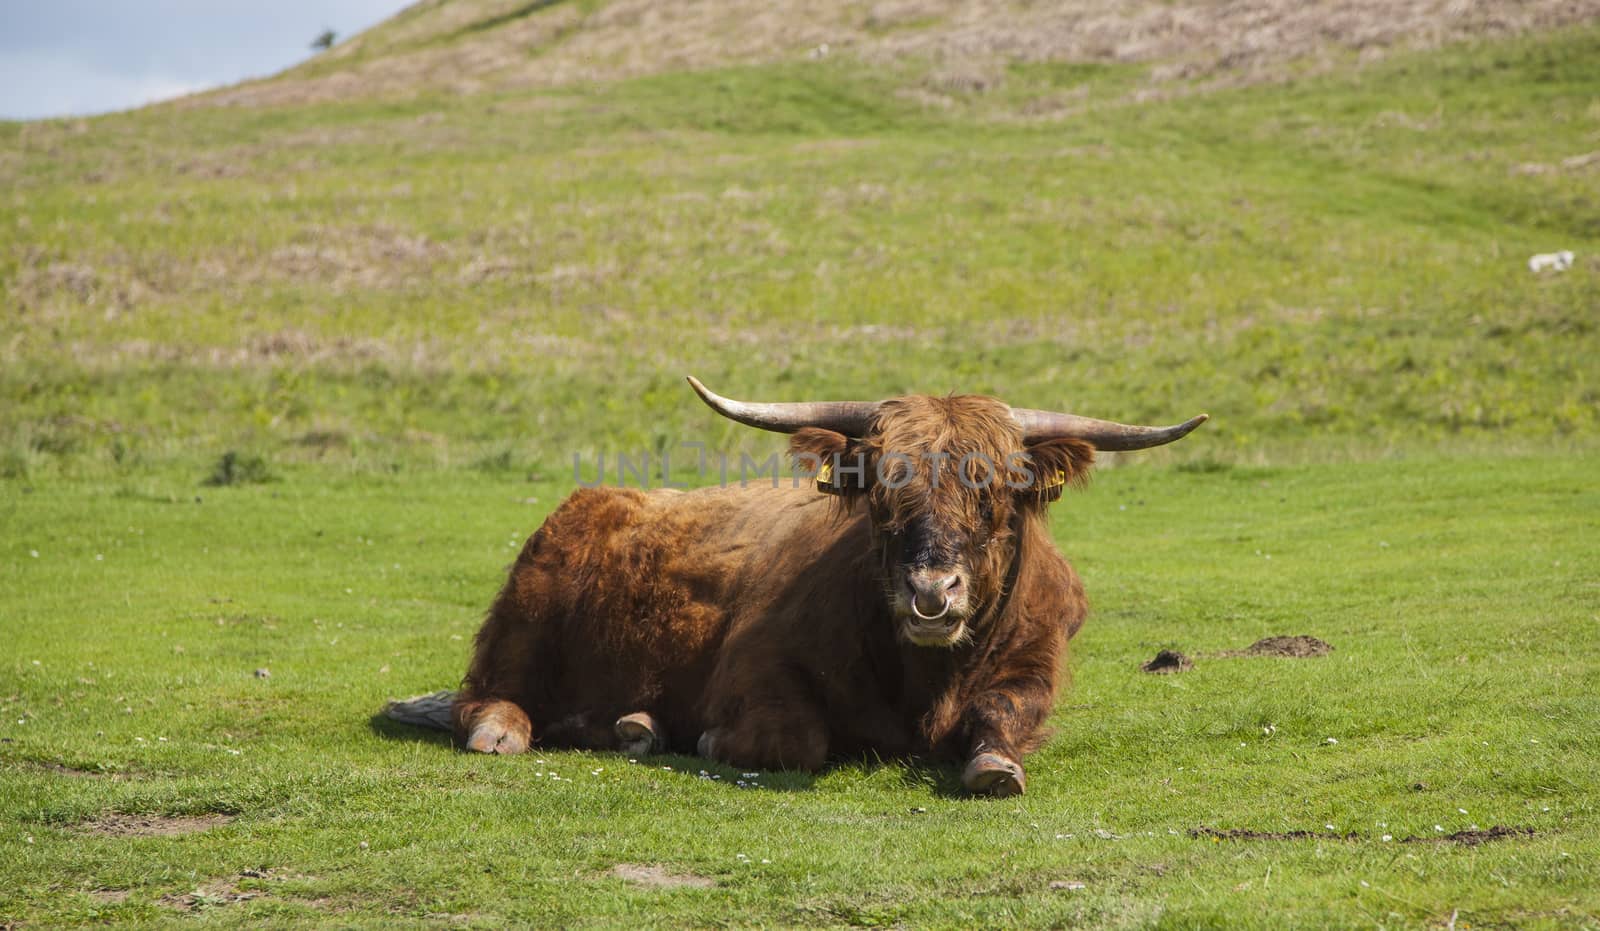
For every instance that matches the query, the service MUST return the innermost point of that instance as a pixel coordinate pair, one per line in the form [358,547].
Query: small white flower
[33,553]
[1332,740]
[1439,828]
[1330,827]
[1387,838]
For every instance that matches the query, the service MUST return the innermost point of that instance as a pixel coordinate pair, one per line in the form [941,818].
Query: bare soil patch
[1470,838]
[1297,647]
[109,896]
[1167,662]
[119,824]
[1247,834]
[659,877]
[1473,838]
[219,892]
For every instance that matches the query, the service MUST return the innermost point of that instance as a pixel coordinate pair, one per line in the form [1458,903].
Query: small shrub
[235,468]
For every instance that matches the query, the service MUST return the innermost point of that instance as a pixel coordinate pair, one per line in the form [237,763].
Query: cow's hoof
[993,774]
[492,737]
[706,746]
[639,734]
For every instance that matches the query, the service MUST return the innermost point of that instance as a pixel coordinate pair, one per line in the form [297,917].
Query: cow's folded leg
[991,773]
[640,733]
[776,741]
[495,726]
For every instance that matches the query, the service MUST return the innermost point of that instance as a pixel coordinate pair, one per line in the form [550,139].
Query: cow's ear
[820,452]
[1055,464]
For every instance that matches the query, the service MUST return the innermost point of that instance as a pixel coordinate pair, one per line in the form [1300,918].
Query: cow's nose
[932,593]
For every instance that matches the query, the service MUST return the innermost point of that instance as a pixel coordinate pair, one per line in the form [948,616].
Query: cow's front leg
[991,773]
[493,726]
[1002,724]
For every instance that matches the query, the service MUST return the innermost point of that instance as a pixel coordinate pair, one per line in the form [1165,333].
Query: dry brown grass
[464,46]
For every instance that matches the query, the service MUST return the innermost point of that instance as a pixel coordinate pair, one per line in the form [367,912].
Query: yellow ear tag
[1051,490]
[825,480]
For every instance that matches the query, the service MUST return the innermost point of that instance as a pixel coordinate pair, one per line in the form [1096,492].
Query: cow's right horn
[852,418]
[1103,434]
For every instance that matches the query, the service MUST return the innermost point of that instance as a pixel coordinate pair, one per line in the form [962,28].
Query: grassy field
[282,388]
[1460,694]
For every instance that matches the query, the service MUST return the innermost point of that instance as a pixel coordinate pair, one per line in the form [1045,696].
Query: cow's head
[945,481]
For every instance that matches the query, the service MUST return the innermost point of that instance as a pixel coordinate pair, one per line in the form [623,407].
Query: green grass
[283,388]
[1458,595]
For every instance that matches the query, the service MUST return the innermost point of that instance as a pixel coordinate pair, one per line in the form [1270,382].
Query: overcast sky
[76,57]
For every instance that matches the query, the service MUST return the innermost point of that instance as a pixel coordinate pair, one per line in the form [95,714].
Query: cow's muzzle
[934,593]
[934,606]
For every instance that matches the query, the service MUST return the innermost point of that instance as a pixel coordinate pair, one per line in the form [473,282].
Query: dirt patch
[1298,647]
[1473,838]
[1470,838]
[109,896]
[118,824]
[61,769]
[210,895]
[1167,662]
[658,877]
[1246,834]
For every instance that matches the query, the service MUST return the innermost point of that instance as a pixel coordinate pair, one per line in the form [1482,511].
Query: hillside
[943,48]
[1332,264]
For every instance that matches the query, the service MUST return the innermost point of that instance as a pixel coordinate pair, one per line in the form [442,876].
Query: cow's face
[944,481]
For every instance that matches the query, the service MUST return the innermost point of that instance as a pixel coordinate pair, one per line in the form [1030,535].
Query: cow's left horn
[1038,426]
[852,418]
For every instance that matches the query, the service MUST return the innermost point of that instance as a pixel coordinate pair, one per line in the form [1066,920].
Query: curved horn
[852,418]
[1104,434]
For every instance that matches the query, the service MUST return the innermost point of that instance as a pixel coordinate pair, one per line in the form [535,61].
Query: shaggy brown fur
[768,627]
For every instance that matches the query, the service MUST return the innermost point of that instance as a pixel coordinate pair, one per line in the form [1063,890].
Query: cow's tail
[431,710]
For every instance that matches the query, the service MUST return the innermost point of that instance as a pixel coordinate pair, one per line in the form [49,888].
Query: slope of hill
[1332,265]
[466,46]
